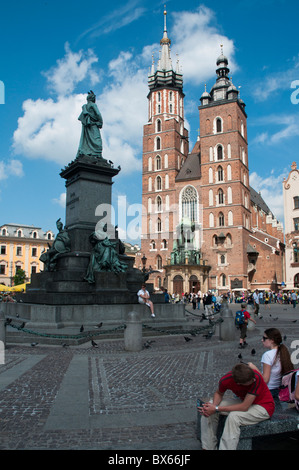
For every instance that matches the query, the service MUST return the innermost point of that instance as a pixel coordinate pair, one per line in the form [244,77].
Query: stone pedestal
[88,198]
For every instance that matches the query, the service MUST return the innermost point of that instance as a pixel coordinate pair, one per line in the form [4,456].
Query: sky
[53,52]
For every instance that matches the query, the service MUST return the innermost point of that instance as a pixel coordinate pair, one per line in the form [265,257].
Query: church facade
[203,226]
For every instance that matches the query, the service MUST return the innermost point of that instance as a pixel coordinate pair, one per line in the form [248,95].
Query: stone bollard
[227,326]
[250,324]
[133,333]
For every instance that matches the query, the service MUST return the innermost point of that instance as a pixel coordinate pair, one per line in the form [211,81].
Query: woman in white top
[276,361]
[143,298]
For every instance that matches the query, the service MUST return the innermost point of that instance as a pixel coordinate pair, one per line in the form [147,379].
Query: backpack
[240,318]
[287,388]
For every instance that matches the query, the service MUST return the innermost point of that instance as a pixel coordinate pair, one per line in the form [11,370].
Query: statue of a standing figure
[61,244]
[92,121]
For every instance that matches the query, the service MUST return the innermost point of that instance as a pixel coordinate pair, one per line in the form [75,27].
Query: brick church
[203,226]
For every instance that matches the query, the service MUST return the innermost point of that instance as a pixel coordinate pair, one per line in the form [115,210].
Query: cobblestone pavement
[86,398]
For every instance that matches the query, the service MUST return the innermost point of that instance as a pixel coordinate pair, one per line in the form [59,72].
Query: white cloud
[115,20]
[49,129]
[11,168]
[271,191]
[61,200]
[72,69]
[198,44]
[275,82]
[289,127]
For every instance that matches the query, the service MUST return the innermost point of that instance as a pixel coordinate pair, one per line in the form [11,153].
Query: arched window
[164,244]
[189,203]
[222,259]
[159,262]
[153,244]
[159,225]
[159,125]
[221,219]
[219,152]
[223,280]
[158,143]
[220,173]
[158,162]
[158,183]
[159,204]
[218,125]
[220,196]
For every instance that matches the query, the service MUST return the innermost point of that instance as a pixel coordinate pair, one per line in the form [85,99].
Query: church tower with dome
[203,226]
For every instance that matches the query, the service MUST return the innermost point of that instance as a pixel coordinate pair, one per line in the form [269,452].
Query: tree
[19,277]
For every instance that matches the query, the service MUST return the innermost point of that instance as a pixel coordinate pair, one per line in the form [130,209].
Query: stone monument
[87,277]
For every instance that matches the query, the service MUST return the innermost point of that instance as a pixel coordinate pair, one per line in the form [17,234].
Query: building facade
[203,226]
[291,220]
[20,248]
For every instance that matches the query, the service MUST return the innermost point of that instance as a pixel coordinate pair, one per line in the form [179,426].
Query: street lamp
[144,260]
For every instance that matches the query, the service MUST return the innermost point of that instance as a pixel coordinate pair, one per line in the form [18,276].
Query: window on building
[296,223]
[164,244]
[159,204]
[33,269]
[159,225]
[4,232]
[19,251]
[220,173]
[218,125]
[158,143]
[158,162]
[223,280]
[19,234]
[3,250]
[219,152]
[221,219]
[2,268]
[159,262]
[159,127]
[34,235]
[296,202]
[153,243]
[158,183]
[34,251]
[220,197]
[222,259]
[189,203]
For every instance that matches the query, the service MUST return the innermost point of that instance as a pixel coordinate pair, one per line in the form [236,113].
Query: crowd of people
[7,297]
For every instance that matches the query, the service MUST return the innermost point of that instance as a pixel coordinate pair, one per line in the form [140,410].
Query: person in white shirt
[256,300]
[275,362]
[143,298]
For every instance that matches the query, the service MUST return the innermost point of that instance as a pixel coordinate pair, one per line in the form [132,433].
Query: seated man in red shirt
[252,403]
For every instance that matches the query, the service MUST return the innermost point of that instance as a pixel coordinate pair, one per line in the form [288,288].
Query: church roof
[191,168]
[257,199]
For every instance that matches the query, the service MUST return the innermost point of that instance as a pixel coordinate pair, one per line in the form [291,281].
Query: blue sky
[52,52]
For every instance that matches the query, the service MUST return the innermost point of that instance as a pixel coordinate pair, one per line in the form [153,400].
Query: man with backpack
[241,321]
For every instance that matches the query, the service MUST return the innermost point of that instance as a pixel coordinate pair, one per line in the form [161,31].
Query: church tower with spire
[165,148]
[225,181]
